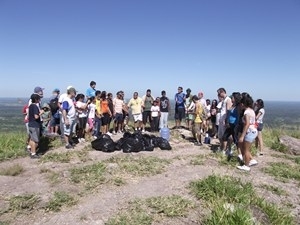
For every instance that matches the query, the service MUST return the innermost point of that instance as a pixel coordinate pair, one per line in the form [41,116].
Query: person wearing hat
[61,99]
[34,124]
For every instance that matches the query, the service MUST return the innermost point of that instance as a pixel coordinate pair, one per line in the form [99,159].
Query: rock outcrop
[293,144]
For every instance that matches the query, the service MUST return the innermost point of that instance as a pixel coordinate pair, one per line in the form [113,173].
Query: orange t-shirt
[104,106]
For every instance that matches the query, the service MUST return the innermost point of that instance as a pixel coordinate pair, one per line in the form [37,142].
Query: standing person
[118,107]
[249,133]
[61,99]
[225,109]
[105,112]
[111,108]
[91,91]
[155,114]
[34,124]
[213,117]
[55,116]
[82,114]
[91,116]
[46,117]
[25,114]
[179,106]
[189,108]
[135,104]
[164,107]
[259,112]
[147,104]
[199,117]
[69,116]
[98,115]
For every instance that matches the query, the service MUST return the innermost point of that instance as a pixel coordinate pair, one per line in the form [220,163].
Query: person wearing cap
[91,91]
[34,124]
[61,99]
[40,91]
[69,116]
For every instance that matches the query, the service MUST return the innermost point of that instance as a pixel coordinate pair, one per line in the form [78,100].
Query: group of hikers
[234,120]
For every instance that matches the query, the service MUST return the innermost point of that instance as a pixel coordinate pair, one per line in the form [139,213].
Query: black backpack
[53,105]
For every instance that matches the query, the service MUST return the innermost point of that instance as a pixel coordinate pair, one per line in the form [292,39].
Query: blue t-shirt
[179,99]
[233,116]
[33,110]
[90,92]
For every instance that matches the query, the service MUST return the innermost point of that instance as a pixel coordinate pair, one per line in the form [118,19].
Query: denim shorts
[250,135]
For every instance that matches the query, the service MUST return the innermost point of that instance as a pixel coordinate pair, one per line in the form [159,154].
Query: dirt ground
[96,206]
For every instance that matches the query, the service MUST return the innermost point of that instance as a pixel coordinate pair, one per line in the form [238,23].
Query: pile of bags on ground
[135,142]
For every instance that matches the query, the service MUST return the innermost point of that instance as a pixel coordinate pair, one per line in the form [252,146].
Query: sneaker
[95,137]
[35,156]
[253,162]
[143,131]
[28,149]
[120,132]
[244,167]
[82,140]
[108,133]
[69,146]
[114,133]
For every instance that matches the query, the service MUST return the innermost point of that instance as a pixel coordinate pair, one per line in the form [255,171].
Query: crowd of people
[234,120]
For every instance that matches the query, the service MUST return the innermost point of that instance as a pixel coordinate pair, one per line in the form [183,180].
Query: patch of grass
[53,177]
[171,206]
[23,203]
[90,176]
[275,190]
[82,155]
[59,200]
[295,159]
[142,166]
[13,170]
[233,202]
[119,181]
[44,170]
[12,145]
[198,160]
[271,139]
[135,214]
[283,170]
[63,157]
[4,222]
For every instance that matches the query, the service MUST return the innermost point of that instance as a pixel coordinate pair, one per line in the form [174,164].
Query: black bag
[104,143]
[132,145]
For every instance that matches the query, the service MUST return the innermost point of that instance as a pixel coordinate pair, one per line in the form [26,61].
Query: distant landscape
[283,115]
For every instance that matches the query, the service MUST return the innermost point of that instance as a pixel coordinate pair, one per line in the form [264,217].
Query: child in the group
[46,118]
[259,112]
[91,116]
[155,114]
[82,112]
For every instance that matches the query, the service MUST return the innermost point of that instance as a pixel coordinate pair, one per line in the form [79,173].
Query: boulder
[293,144]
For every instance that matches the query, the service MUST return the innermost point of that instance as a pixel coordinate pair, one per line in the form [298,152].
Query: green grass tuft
[13,170]
[59,200]
[283,170]
[23,203]
[12,145]
[63,157]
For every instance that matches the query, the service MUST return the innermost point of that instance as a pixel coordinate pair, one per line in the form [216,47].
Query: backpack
[53,105]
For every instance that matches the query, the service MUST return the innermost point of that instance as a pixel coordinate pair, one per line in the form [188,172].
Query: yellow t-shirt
[98,106]
[198,113]
[135,105]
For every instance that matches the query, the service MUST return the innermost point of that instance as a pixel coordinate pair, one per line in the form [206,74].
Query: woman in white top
[249,133]
[259,112]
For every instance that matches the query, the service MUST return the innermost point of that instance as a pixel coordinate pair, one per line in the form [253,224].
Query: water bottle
[165,133]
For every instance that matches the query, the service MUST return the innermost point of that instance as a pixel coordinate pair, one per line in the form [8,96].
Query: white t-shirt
[81,112]
[71,111]
[154,111]
[261,117]
[61,99]
[250,112]
[118,105]
[92,111]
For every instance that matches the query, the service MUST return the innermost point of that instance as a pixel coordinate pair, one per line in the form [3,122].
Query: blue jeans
[97,126]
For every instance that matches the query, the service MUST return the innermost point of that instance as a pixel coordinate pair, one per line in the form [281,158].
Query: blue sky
[133,45]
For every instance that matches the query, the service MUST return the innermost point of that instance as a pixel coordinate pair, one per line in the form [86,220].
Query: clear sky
[133,45]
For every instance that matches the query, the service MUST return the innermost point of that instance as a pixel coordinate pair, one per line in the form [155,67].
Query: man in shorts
[135,104]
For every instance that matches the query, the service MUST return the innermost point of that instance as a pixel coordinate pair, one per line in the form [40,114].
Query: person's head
[163,93]
[155,102]
[200,94]
[135,95]
[259,103]
[46,107]
[110,95]
[40,91]
[207,101]
[71,92]
[35,98]
[93,99]
[148,92]
[103,95]
[214,103]
[221,92]
[236,98]
[247,101]
[180,89]
[56,92]
[195,98]
[79,97]
[188,91]
[93,84]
